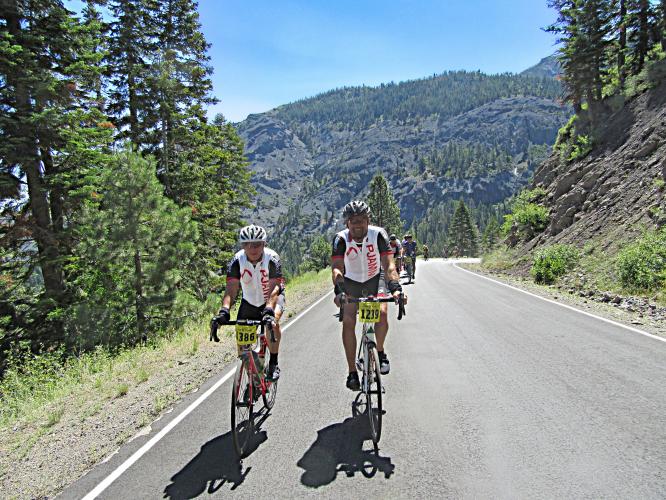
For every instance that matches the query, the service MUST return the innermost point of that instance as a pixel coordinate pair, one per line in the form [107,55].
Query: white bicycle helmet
[251,234]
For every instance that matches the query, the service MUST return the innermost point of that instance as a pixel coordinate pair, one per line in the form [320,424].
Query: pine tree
[182,83]
[463,235]
[583,27]
[385,210]
[491,234]
[132,245]
[318,256]
[50,139]
[640,19]
[132,44]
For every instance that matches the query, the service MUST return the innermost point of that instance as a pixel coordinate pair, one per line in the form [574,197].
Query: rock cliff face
[618,189]
[321,166]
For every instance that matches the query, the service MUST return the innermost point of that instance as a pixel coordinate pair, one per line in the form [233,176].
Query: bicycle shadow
[215,466]
[339,448]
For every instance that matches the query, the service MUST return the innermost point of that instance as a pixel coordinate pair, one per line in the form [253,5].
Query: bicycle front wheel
[242,408]
[271,392]
[374,395]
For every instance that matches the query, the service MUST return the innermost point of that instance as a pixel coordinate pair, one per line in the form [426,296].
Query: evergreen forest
[120,200]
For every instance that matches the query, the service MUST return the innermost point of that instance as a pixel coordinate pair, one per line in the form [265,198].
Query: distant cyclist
[359,253]
[257,270]
[409,252]
[426,252]
[396,246]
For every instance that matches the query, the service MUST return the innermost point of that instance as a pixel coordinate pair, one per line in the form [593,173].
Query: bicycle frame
[246,352]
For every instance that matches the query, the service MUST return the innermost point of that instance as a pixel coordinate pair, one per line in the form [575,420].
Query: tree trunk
[643,33]
[56,195]
[138,295]
[663,25]
[621,70]
[31,165]
[133,110]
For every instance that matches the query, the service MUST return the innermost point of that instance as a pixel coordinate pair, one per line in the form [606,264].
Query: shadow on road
[340,448]
[214,466]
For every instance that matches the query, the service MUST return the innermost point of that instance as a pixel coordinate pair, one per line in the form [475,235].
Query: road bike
[369,398]
[250,379]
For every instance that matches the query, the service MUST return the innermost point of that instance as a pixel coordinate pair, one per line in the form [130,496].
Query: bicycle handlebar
[252,322]
[354,300]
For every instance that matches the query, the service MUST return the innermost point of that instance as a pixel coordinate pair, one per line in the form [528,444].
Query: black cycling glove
[268,315]
[223,316]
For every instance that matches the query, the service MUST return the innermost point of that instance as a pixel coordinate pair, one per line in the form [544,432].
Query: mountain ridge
[322,164]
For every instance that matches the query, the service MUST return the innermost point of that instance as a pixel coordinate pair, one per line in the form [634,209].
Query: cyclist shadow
[215,466]
[340,448]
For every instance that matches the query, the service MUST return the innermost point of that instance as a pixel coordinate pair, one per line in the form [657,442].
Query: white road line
[104,484]
[636,330]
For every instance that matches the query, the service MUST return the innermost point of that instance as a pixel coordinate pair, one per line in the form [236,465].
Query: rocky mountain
[548,67]
[435,139]
[616,191]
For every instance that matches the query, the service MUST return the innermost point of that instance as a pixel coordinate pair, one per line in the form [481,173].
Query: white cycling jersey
[255,278]
[362,260]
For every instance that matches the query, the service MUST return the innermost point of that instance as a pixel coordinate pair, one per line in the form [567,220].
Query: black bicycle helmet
[355,208]
[251,234]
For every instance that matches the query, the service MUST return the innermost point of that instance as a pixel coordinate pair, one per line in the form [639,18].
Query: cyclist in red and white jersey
[396,246]
[359,254]
[256,269]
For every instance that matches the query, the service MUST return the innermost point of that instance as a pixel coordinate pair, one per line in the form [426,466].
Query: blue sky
[267,53]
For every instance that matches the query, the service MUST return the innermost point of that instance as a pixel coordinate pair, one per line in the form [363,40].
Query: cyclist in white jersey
[360,253]
[256,269]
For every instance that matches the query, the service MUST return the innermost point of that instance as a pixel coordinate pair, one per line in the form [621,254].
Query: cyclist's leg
[381,328]
[353,289]
[280,307]
[348,335]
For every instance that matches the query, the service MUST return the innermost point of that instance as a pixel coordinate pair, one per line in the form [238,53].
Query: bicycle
[369,310]
[249,380]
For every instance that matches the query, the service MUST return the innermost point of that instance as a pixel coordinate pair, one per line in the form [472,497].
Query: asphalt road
[492,393]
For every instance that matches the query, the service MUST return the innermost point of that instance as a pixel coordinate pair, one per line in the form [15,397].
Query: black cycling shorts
[373,286]
[248,311]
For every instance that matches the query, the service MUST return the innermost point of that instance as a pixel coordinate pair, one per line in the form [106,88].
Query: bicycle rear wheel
[242,408]
[374,394]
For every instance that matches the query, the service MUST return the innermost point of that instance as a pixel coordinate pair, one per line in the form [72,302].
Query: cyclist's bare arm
[338,268]
[389,268]
[338,275]
[274,285]
[230,294]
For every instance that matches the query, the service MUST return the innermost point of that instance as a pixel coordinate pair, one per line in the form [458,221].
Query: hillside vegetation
[600,196]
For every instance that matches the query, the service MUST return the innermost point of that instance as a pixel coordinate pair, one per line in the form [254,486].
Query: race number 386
[368,312]
[246,334]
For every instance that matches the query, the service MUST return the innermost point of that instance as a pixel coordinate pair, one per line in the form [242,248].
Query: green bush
[527,218]
[553,262]
[571,144]
[642,265]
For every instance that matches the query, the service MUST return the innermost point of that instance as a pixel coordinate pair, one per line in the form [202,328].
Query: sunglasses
[253,244]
